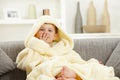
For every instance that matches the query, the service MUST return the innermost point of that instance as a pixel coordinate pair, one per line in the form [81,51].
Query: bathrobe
[43,62]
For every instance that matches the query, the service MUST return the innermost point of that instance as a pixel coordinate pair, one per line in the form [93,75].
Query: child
[48,33]
[49,55]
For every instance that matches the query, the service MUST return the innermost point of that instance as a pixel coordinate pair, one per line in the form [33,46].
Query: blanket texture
[43,62]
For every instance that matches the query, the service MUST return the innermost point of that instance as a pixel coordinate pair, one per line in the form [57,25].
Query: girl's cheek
[41,33]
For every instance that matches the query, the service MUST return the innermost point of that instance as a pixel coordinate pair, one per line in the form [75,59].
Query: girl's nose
[46,31]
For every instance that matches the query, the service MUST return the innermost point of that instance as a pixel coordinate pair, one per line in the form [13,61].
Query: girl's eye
[41,29]
[50,30]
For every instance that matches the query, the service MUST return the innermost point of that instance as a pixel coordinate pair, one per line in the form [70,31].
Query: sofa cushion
[98,48]
[6,64]
[114,60]
[12,48]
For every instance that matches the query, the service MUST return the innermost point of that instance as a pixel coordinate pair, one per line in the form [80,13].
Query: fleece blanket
[43,62]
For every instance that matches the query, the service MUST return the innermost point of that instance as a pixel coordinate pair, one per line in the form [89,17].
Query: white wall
[14,32]
[23,5]
[113,6]
[11,30]
[67,11]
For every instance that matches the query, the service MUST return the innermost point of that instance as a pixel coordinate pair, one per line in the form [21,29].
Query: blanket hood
[49,19]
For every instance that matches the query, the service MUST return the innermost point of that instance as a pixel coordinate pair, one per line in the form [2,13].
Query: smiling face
[47,33]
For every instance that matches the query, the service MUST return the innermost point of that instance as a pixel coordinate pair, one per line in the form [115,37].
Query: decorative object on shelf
[78,20]
[32,11]
[94,28]
[106,17]
[91,14]
[11,13]
[46,12]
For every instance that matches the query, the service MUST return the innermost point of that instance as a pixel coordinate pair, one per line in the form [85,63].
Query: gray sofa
[105,50]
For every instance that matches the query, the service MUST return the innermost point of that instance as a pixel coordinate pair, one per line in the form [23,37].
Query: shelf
[94,35]
[23,8]
[21,21]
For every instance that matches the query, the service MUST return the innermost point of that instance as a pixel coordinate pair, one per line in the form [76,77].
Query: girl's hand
[101,62]
[44,37]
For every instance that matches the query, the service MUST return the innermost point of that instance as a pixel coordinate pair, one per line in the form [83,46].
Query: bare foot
[67,74]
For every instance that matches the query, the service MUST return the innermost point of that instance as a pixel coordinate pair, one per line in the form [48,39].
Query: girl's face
[47,33]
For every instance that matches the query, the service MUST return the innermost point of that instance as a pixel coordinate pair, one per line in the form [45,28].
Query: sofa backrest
[99,48]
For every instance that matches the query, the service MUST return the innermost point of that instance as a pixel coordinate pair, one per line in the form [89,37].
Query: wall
[67,11]
[113,6]
[22,7]
[17,29]
[14,32]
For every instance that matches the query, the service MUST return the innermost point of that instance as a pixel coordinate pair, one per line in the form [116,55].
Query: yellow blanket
[42,62]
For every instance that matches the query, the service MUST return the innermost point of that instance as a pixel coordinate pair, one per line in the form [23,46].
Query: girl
[49,55]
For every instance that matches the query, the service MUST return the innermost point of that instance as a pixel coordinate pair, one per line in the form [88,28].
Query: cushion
[98,48]
[12,48]
[114,60]
[6,64]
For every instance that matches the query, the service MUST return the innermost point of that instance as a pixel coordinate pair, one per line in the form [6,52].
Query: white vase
[32,11]
[106,17]
[78,20]
[91,14]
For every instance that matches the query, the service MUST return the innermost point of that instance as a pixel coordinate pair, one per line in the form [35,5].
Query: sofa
[106,50]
